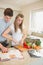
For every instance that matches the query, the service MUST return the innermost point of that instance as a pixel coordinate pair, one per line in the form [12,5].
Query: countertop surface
[27,60]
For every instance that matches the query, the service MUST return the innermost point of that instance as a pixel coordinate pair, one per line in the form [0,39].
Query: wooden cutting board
[21,48]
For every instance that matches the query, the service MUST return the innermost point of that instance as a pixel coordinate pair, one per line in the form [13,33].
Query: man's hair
[9,12]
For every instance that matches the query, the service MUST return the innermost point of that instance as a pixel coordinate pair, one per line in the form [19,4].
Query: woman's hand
[21,42]
[15,41]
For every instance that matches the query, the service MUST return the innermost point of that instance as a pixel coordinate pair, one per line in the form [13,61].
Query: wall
[2,5]
[26,10]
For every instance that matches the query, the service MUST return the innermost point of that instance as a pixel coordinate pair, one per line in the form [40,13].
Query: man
[4,24]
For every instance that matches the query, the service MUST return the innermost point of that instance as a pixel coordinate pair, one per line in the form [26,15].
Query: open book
[13,53]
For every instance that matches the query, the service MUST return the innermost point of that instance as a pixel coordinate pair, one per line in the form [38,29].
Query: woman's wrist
[22,40]
[14,41]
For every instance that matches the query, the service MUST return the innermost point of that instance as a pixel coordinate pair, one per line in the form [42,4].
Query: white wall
[26,10]
[2,5]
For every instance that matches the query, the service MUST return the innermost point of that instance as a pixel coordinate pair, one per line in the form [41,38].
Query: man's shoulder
[12,26]
[1,20]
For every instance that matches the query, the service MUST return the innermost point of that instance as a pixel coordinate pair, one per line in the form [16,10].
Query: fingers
[4,50]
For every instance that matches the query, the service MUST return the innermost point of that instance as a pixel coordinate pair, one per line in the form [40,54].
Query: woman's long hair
[15,22]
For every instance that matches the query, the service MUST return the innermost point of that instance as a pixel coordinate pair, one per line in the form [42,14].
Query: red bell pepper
[25,45]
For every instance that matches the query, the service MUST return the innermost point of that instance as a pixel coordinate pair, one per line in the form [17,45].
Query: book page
[11,54]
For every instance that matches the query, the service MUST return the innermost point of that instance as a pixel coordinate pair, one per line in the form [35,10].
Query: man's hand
[4,49]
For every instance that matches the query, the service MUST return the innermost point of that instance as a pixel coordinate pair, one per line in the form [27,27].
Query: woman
[18,31]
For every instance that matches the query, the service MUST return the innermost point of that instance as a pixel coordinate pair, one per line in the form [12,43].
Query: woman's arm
[24,36]
[8,36]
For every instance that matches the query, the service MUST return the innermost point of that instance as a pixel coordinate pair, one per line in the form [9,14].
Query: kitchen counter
[25,61]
